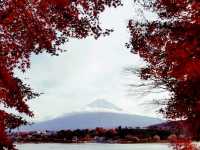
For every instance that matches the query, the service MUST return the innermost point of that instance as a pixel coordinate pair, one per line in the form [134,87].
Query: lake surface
[93,147]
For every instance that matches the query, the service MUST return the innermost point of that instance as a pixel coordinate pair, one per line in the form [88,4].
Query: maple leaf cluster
[171,47]
[32,27]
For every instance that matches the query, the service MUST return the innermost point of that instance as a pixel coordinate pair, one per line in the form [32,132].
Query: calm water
[93,147]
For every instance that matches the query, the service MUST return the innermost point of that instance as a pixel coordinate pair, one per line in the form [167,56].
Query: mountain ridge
[91,120]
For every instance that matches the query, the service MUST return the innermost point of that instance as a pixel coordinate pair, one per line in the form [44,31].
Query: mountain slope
[84,120]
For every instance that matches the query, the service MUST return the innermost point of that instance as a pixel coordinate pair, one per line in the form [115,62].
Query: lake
[93,147]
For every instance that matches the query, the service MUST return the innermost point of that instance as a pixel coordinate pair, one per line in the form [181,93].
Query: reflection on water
[93,147]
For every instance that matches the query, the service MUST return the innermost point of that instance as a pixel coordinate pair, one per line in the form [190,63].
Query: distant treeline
[116,135]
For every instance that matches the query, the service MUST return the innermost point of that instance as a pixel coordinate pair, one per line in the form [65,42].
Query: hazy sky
[89,70]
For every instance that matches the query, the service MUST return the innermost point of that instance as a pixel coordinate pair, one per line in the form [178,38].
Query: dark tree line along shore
[98,135]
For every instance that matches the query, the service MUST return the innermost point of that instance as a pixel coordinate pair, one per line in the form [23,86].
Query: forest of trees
[170,45]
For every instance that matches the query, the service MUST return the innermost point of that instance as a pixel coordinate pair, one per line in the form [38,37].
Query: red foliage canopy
[36,26]
[171,47]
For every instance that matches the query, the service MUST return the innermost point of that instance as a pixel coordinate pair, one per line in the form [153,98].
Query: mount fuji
[99,113]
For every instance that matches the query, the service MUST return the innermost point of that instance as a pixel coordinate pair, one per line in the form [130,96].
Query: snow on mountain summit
[102,105]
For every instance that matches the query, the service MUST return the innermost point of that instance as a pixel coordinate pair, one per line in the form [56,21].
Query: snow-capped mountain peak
[102,105]
[99,113]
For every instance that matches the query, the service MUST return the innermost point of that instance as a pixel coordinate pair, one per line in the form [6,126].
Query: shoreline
[160,142]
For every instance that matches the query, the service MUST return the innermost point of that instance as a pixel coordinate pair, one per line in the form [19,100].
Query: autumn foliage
[171,47]
[31,27]
[184,144]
